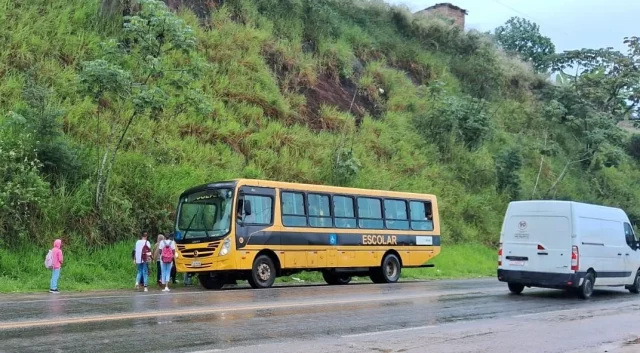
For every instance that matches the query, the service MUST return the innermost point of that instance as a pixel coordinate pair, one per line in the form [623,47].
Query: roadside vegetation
[105,119]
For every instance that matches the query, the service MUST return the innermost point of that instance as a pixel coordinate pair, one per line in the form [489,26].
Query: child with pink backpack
[167,249]
[53,262]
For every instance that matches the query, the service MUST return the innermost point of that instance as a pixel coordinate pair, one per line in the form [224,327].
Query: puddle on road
[632,342]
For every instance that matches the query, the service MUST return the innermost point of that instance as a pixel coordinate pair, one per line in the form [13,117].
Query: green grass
[458,261]
[110,268]
[260,66]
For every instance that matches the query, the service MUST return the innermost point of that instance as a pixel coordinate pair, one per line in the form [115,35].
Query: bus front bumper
[541,279]
[205,264]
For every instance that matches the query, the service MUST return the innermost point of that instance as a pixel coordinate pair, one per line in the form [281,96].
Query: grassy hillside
[353,93]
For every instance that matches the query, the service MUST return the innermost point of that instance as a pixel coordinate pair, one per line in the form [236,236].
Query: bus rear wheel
[389,272]
[211,282]
[263,273]
[335,279]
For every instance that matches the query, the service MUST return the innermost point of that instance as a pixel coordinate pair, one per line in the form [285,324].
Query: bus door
[254,213]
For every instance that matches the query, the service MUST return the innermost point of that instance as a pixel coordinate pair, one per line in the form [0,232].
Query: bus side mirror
[247,207]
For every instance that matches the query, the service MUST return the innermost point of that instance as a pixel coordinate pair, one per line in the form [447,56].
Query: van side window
[628,235]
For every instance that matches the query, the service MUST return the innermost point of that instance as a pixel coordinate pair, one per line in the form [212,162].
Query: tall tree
[523,37]
[131,80]
[607,79]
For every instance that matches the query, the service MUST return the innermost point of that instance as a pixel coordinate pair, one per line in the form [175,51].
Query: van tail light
[500,255]
[540,247]
[575,262]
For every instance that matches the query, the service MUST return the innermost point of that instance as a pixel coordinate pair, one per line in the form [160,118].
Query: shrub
[508,164]
[22,191]
[465,120]
[634,146]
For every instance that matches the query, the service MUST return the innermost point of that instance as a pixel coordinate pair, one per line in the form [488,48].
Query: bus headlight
[226,245]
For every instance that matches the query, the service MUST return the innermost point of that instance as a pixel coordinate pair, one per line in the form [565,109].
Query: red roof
[446,4]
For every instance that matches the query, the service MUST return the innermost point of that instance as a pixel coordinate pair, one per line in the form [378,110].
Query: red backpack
[146,252]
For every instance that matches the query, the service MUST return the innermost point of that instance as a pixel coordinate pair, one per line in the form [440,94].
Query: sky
[571,24]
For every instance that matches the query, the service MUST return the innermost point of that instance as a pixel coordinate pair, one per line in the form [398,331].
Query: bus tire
[389,272]
[335,279]
[263,273]
[211,282]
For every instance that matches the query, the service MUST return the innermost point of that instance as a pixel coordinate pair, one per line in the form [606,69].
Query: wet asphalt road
[439,316]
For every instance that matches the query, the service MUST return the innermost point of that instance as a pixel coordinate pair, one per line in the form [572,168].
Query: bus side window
[395,212]
[293,212]
[421,215]
[319,211]
[261,210]
[370,213]
[344,212]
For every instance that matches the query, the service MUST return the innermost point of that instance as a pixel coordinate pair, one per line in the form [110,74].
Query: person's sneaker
[166,289]
[54,291]
[145,289]
[137,286]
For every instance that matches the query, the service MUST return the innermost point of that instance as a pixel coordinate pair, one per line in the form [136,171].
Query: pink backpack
[167,253]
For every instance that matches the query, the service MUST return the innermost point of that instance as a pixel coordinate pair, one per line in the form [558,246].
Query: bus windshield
[204,214]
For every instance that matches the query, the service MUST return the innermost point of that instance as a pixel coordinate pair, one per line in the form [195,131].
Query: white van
[567,245]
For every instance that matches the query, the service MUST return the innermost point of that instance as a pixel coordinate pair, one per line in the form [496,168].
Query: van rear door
[537,241]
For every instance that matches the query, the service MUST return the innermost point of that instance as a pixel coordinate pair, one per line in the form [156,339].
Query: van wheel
[211,282]
[635,287]
[516,288]
[389,272]
[335,279]
[263,273]
[586,289]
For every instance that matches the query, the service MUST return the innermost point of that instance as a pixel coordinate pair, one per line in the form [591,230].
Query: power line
[527,15]
[514,9]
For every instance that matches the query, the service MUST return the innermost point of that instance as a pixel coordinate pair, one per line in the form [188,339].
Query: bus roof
[306,187]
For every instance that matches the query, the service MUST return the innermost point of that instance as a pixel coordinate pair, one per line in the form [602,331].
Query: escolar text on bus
[379,240]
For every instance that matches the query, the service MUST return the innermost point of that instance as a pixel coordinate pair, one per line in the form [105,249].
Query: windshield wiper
[189,226]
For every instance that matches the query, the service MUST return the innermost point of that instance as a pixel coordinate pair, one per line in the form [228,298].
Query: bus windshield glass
[204,214]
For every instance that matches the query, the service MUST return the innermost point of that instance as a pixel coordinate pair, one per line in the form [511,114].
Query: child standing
[142,257]
[167,253]
[58,259]
[158,259]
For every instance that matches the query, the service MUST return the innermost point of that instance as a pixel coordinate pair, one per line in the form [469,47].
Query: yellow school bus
[257,230]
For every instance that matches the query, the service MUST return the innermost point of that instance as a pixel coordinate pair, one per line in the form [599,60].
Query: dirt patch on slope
[339,93]
[326,89]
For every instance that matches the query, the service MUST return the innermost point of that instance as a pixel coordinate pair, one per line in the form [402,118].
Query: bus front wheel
[389,272]
[335,279]
[263,273]
[211,282]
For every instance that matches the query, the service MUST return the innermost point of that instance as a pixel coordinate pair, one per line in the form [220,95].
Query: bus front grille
[193,253]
